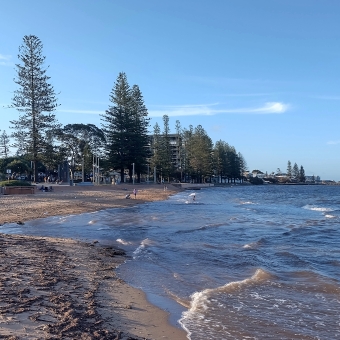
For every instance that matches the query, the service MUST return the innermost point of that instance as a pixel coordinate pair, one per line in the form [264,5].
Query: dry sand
[64,289]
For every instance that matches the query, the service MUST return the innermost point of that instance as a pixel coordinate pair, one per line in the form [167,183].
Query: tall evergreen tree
[4,144]
[125,125]
[117,125]
[166,153]
[302,176]
[187,151]
[53,154]
[233,164]
[35,100]
[220,159]
[200,146]
[139,152]
[242,165]
[289,169]
[156,146]
[179,142]
[295,171]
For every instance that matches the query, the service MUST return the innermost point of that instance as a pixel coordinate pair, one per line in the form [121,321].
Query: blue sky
[261,75]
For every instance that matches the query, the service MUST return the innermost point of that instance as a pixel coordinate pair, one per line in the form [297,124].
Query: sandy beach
[65,200]
[66,289]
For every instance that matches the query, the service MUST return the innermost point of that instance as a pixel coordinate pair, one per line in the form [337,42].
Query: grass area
[15,183]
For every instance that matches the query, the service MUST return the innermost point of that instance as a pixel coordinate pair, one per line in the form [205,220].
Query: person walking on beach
[135,192]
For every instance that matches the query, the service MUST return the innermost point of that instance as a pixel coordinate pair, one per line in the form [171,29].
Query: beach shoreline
[55,288]
[72,200]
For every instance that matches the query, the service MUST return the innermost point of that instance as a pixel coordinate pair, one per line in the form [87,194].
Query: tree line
[295,172]
[122,142]
[197,159]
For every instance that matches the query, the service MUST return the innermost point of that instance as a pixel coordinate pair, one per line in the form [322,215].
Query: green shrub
[15,183]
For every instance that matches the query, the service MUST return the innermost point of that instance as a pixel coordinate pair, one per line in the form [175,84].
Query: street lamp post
[133,173]
[95,170]
[83,170]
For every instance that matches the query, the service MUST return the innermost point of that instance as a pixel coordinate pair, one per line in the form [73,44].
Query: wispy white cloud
[209,110]
[200,110]
[5,60]
[333,142]
[5,57]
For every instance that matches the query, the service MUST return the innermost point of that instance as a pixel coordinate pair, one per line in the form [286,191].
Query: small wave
[292,259]
[217,225]
[205,227]
[194,202]
[103,228]
[186,231]
[247,202]
[256,244]
[138,250]
[316,208]
[252,245]
[199,300]
[330,216]
[146,242]
[125,243]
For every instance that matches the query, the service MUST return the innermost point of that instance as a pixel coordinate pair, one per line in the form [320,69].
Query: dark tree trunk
[130,175]
[122,175]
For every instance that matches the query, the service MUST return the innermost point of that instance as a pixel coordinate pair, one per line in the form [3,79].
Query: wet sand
[66,289]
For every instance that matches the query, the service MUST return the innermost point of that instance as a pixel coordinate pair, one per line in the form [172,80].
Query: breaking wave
[121,241]
[199,299]
[316,208]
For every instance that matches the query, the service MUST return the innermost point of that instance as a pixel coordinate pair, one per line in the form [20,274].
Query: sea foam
[316,208]
[146,242]
[125,243]
[199,300]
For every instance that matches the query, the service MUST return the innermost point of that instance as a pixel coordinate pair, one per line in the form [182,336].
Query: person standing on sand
[135,192]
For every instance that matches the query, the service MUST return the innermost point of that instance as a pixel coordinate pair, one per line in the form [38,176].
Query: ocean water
[243,262]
